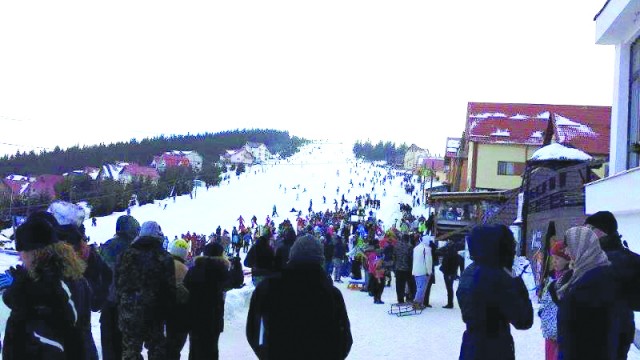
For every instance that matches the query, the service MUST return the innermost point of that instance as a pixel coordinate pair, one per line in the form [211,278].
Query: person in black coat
[49,298]
[282,251]
[587,318]
[299,314]
[449,268]
[490,297]
[205,282]
[260,259]
[339,254]
[625,265]
[329,251]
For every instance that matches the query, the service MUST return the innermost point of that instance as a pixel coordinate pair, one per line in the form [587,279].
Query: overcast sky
[84,72]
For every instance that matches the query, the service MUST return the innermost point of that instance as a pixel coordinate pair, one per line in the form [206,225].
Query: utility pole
[13,223]
[431,183]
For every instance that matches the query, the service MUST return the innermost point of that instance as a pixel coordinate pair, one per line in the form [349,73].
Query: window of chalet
[510,168]
[552,184]
[633,130]
[562,181]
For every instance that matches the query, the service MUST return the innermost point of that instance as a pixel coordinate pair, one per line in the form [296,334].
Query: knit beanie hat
[306,249]
[151,229]
[38,231]
[558,249]
[67,213]
[179,248]
[603,220]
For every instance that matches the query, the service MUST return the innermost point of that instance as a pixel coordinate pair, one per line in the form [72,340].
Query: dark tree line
[387,151]
[209,145]
[108,196]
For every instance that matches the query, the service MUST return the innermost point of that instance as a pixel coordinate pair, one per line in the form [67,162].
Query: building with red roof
[134,171]
[166,160]
[500,137]
[43,185]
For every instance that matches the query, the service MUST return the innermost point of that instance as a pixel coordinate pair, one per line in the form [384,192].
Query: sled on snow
[355,284]
[404,309]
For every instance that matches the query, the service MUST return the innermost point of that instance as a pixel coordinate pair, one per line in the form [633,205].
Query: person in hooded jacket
[587,317]
[49,297]
[625,265]
[205,282]
[490,297]
[280,324]
[146,293]
[260,259]
[127,228]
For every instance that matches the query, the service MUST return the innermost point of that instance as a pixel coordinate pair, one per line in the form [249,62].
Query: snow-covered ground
[319,169]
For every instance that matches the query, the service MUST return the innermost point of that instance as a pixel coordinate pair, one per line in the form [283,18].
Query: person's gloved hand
[18,273]
[6,280]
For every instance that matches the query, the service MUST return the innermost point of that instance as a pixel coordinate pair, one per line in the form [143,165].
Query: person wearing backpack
[626,269]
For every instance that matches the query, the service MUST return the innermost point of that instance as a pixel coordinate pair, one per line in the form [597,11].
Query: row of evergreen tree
[382,151]
[107,196]
[209,145]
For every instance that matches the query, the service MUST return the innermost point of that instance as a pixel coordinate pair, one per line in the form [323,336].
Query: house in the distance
[240,156]
[259,151]
[43,185]
[195,159]
[17,184]
[126,172]
[91,172]
[111,171]
[167,160]
[499,138]
[436,164]
[414,157]
[133,172]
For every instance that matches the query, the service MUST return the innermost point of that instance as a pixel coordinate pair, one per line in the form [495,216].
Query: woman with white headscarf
[586,325]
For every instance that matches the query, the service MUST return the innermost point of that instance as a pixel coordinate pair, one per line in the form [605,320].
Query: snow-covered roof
[178,152]
[501,132]
[559,152]
[15,177]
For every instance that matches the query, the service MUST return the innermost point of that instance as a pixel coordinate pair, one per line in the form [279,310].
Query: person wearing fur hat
[491,298]
[49,297]
[146,293]
[548,310]
[177,322]
[127,229]
[70,229]
[205,282]
[626,268]
[587,324]
[300,314]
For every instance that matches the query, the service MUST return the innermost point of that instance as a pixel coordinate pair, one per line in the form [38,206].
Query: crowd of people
[157,293]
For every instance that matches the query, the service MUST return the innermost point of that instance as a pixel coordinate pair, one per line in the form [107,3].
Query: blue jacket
[490,300]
